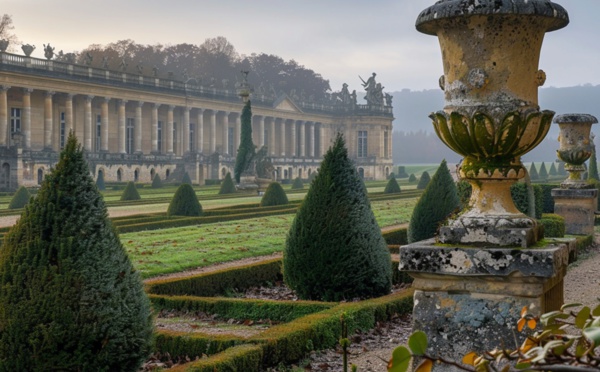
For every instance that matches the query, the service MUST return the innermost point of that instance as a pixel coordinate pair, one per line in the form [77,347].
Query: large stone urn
[575,146]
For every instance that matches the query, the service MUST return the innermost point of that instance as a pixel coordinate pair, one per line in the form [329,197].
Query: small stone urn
[27,49]
[3,45]
[490,51]
[576,147]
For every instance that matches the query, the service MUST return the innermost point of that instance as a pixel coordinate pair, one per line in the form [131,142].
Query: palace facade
[134,126]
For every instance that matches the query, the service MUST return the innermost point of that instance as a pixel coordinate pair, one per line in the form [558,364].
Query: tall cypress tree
[593,167]
[552,171]
[439,200]
[334,249]
[247,149]
[70,298]
[533,173]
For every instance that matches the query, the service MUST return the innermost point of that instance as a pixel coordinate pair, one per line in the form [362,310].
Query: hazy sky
[340,39]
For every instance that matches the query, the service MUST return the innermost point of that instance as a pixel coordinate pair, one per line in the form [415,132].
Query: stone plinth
[470,299]
[577,207]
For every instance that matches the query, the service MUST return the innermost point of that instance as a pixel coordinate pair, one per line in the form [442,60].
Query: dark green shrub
[464,190]
[334,249]
[100,181]
[402,172]
[20,199]
[412,178]
[547,199]
[297,185]
[438,201]
[156,182]
[392,186]
[554,225]
[184,202]
[227,187]
[130,192]
[552,171]
[543,172]
[186,179]
[519,195]
[274,195]
[423,181]
[533,173]
[70,298]
[246,150]
[593,166]
[396,237]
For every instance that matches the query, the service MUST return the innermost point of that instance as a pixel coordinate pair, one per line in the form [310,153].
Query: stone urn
[576,146]
[27,49]
[490,51]
[3,45]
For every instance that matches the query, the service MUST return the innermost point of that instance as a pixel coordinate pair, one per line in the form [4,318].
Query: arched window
[5,179]
[167,173]
[136,175]
[361,173]
[40,176]
[152,172]
[119,175]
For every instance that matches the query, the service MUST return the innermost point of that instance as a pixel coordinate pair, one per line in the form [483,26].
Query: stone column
[238,133]
[390,142]
[272,137]
[154,135]
[48,121]
[302,125]
[261,132]
[311,139]
[122,122]
[138,128]
[293,139]
[322,141]
[169,134]
[69,114]
[226,133]
[4,115]
[104,114]
[200,131]
[186,130]
[87,125]
[27,116]
[213,132]
[282,142]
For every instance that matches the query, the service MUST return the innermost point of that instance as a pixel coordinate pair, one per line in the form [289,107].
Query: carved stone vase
[575,146]
[490,51]
[3,45]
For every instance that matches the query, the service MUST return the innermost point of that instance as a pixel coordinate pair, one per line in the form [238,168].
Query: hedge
[183,344]
[554,225]
[247,357]
[397,236]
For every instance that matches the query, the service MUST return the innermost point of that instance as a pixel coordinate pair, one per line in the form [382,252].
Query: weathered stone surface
[577,207]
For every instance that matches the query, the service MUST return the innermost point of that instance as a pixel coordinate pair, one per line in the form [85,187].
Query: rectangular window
[63,129]
[386,149]
[98,132]
[230,137]
[129,135]
[159,136]
[15,120]
[192,132]
[362,144]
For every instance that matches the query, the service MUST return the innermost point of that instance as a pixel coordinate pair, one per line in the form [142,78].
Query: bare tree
[6,27]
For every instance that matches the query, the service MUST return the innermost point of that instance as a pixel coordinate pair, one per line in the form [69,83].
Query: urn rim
[575,119]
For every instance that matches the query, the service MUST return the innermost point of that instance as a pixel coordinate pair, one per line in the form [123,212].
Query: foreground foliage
[334,249]
[70,298]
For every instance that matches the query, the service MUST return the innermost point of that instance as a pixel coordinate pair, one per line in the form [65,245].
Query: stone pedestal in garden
[578,208]
[470,299]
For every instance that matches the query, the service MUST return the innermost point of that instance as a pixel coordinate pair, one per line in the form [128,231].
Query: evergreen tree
[247,149]
[552,171]
[543,174]
[70,298]
[100,181]
[184,202]
[593,167]
[533,173]
[186,179]
[412,178]
[227,187]
[20,198]
[334,249]
[297,184]
[274,195]
[438,201]
[423,181]
[130,192]
[561,168]
[392,186]
[156,182]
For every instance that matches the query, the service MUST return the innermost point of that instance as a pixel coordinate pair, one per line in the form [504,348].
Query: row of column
[309,143]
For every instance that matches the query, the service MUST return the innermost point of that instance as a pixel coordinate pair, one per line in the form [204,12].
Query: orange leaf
[531,323]
[523,311]
[425,366]
[469,359]
[521,324]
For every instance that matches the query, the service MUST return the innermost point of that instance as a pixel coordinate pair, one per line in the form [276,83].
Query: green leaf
[400,360]
[582,317]
[596,311]
[566,306]
[418,343]
[593,335]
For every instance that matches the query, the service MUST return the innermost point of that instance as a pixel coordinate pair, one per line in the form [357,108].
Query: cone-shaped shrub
[100,181]
[70,298]
[423,181]
[227,187]
[274,195]
[552,170]
[130,192]
[156,182]
[533,173]
[20,198]
[543,172]
[184,202]
[392,186]
[297,185]
[334,248]
[186,179]
[438,201]
[412,178]
[593,168]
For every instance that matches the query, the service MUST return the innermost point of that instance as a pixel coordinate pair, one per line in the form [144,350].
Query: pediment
[285,103]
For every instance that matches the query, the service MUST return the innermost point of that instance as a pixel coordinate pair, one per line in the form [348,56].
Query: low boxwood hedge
[554,225]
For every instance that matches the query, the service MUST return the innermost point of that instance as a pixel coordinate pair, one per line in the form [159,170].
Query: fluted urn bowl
[576,146]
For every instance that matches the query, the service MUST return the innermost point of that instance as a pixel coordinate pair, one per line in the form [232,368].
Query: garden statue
[48,51]
[369,86]
[3,45]
[104,62]
[88,59]
[27,49]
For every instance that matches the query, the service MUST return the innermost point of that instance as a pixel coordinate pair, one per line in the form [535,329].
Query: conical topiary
[274,195]
[423,181]
[227,187]
[438,201]
[552,171]
[297,184]
[100,181]
[70,298]
[130,192]
[543,174]
[412,178]
[156,182]
[184,202]
[334,249]
[533,173]
[392,186]
[20,198]
[186,179]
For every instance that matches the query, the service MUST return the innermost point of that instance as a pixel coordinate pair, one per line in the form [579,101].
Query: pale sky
[340,39]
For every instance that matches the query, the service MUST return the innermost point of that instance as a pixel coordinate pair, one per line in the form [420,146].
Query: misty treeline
[213,63]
